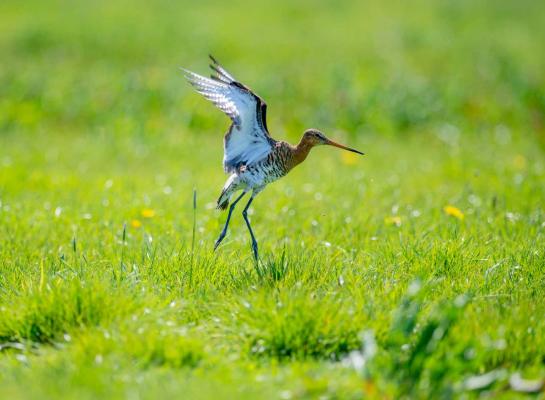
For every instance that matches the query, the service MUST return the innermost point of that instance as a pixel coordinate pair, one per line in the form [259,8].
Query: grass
[416,271]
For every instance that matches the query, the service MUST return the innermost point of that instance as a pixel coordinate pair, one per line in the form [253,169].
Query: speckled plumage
[281,160]
[251,156]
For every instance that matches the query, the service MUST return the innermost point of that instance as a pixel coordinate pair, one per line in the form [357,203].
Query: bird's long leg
[224,230]
[245,215]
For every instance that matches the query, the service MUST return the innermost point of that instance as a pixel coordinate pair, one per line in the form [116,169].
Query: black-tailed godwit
[251,156]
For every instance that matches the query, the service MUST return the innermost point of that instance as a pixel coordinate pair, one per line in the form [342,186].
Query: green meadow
[415,271]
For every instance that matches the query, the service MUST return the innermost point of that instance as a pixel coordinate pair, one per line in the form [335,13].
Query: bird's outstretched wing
[247,140]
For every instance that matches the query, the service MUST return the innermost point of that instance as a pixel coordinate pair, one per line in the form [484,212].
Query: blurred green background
[102,143]
[391,69]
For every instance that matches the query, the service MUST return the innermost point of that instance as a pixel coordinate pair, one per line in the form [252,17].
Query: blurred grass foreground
[417,271]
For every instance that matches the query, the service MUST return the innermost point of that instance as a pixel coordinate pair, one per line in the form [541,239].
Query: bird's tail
[229,188]
[223,200]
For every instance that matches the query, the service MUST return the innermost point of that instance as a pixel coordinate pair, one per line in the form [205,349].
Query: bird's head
[314,137]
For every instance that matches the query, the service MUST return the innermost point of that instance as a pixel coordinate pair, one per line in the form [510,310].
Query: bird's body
[255,176]
[251,156]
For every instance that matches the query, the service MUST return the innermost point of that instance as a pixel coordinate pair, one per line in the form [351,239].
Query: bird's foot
[254,249]
[220,238]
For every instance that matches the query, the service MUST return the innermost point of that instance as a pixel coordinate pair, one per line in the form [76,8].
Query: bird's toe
[217,243]
[255,251]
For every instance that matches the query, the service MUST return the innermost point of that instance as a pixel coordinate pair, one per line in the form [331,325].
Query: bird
[252,158]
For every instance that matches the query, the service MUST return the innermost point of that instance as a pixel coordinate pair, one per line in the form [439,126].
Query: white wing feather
[247,141]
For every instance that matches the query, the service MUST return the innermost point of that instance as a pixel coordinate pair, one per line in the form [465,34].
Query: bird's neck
[300,153]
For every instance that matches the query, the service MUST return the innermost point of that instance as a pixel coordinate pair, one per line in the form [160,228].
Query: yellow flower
[454,212]
[393,220]
[349,158]
[148,213]
[136,223]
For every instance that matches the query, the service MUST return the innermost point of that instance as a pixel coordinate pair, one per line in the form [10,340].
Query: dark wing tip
[215,68]
[220,74]
[213,59]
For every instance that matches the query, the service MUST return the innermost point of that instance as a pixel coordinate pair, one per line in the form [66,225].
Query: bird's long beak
[340,146]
